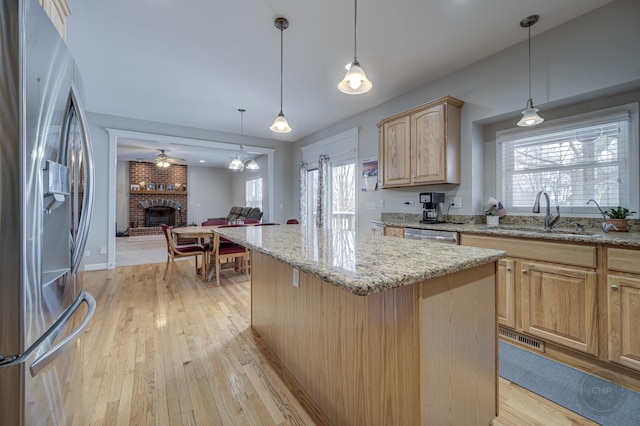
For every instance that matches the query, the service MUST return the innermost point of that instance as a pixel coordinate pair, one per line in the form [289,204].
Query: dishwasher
[447,237]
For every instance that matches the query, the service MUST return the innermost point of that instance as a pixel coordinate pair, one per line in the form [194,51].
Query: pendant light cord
[281,66]
[242,126]
[355,31]
[529,63]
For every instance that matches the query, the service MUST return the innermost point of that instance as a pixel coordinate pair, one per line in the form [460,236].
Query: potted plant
[618,217]
[492,216]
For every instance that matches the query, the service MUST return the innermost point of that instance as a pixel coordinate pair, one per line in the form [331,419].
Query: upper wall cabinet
[421,146]
[58,10]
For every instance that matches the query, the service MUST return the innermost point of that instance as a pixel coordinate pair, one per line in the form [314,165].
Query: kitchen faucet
[549,220]
[605,226]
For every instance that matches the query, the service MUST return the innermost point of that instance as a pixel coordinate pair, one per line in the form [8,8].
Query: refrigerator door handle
[44,360]
[85,217]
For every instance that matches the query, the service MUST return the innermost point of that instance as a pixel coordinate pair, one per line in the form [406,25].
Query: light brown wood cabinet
[394,231]
[623,306]
[505,282]
[541,296]
[58,10]
[558,304]
[421,146]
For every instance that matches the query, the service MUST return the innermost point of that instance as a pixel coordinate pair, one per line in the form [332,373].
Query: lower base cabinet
[623,307]
[582,300]
[506,291]
[555,302]
[624,312]
[558,304]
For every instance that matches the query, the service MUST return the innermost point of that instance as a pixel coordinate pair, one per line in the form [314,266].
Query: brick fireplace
[161,197]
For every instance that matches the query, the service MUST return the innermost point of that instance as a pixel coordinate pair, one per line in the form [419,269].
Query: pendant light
[355,81]
[280,124]
[530,115]
[238,163]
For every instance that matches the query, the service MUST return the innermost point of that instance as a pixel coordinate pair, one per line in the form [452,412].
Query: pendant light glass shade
[252,165]
[530,115]
[280,124]
[236,164]
[355,81]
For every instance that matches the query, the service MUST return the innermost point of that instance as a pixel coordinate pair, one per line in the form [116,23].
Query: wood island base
[417,354]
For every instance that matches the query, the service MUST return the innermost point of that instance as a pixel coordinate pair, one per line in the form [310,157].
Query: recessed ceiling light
[202,161]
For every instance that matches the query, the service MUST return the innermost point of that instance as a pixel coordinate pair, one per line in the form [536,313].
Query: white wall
[209,193]
[590,58]
[122,196]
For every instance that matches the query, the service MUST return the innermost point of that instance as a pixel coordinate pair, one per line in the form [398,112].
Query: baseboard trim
[96,267]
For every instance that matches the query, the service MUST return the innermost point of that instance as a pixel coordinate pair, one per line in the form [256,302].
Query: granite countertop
[358,262]
[590,235]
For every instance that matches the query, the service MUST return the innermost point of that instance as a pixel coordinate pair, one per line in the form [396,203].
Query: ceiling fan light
[355,81]
[163,163]
[252,165]
[280,124]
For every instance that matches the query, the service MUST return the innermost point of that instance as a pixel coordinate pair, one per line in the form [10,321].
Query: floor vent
[523,340]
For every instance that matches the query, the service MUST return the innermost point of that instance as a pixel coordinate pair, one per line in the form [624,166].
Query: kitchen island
[378,330]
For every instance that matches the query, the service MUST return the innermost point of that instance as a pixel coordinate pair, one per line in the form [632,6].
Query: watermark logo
[601,391]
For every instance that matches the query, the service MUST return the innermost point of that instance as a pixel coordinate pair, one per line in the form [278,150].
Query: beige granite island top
[360,263]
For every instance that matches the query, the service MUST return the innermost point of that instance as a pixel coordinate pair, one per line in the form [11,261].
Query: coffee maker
[432,203]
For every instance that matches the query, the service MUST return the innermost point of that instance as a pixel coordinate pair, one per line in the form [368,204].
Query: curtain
[302,200]
[323,183]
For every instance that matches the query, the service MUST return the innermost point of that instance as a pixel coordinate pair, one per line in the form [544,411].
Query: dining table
[201,232]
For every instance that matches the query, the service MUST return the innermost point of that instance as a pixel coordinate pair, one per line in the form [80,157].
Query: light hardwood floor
[183,353]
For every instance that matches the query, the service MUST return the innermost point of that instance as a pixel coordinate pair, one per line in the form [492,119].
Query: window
[343,197]
[573,161]
[339,193]
[253,193]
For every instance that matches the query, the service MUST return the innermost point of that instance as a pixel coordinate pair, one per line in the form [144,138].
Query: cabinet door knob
[508,269]
[614,287]
[524,271]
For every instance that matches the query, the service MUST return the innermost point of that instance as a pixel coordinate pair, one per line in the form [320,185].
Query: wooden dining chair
[228,250]
[174,251]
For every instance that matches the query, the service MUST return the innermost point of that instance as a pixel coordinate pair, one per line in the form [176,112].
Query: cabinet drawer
[623,260]
[544,251]
[394,231]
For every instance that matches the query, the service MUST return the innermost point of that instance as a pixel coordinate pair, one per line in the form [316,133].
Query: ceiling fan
[163,160]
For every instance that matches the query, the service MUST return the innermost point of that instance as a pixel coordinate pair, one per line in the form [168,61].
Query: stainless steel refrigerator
[46,191]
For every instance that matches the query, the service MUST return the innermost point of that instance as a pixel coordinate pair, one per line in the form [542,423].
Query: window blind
[573,162]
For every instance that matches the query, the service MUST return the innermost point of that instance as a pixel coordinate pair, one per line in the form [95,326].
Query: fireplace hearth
[156,216]
[153,212]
